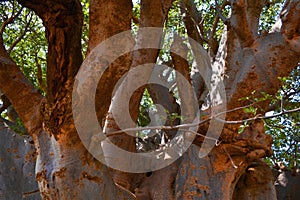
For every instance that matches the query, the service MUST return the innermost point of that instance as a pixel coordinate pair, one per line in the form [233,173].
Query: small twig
[200,30]
[26,194]
[259,116]
[13,8]
[40,74]
[236,109]
[232,162]
[282,102]
[204,136]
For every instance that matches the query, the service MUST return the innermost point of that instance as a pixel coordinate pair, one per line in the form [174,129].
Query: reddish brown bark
[153,14]
[107,19]
[65,170]
[18,89]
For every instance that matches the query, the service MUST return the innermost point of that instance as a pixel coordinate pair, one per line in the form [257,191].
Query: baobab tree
[233,50]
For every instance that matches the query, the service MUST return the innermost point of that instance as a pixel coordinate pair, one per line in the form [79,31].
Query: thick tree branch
[240,23]
[149,9]
[253,9]
[291,21]
[63,22]
[257,68]
[107,18]
[104,23]
[153,14]
[270,58]
[21,93]
[181,65]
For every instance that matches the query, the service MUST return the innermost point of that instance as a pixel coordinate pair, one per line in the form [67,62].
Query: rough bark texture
[223,167]
[246,61]
[17,166]
[12,77]
[153,14]
[106,20]
[65,170]
[288,184]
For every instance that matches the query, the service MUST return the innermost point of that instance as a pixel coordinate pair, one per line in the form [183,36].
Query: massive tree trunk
[245,61]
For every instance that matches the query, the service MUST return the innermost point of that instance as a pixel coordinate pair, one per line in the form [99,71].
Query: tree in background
[246,52]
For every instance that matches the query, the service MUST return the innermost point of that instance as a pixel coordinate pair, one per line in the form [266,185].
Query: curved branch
[272,57]
[21,93]
[153,14]
[10,19]
[21,36]
[193,20]
[219,16]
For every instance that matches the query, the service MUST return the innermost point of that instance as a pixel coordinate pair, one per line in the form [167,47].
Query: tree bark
[245,62]
[153,14]
[65,170]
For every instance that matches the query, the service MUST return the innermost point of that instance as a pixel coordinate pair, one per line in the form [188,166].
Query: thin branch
[218,17]
[40,75]
[193,21]
[204,136]
[258,117]
[202,122]
[10,20]
[26,194]
[174,127]
[232,162]
[20,36]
